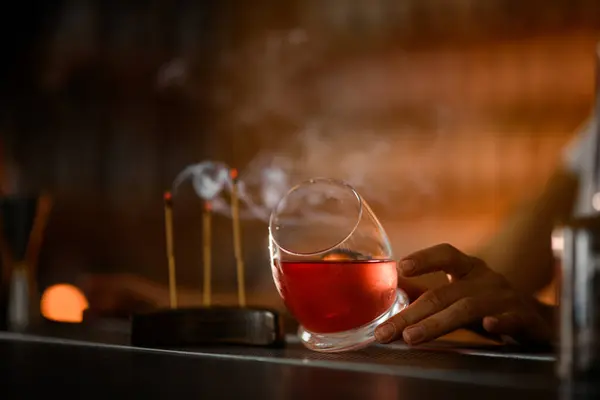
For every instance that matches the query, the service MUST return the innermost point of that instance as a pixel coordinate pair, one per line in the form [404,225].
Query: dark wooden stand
[185,327]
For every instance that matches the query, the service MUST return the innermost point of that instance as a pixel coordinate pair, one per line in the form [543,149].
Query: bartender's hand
[474,294]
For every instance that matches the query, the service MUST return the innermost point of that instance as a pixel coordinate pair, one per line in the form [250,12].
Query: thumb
[523,327]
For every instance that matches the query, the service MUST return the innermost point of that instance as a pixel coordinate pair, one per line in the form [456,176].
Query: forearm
[521,250]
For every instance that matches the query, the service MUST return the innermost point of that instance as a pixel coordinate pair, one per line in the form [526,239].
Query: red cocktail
[336,296]
[332,264]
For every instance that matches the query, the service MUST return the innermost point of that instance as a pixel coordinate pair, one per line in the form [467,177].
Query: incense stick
[206,239]
[237,240]
[168,198]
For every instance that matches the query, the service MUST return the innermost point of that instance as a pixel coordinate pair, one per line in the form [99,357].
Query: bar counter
[99,363]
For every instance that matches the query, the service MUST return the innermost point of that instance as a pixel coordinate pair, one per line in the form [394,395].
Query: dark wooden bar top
[91,364]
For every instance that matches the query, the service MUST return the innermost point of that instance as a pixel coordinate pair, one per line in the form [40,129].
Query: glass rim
[330,181]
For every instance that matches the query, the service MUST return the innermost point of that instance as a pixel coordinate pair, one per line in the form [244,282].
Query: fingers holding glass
[437,315]
[473,292]
[425,306]
[442,257]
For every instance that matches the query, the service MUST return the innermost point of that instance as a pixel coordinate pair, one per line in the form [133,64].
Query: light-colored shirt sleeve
[579,158]
[579,152]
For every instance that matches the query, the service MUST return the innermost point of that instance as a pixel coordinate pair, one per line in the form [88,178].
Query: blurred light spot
[596,201]
[63,303]
[558,243]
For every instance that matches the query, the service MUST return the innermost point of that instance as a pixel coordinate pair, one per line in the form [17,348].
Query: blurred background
[445,114]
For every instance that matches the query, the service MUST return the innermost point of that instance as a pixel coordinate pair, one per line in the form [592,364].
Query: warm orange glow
[336,257]
[234,173]
[63,303]
[168,196]
[207,206]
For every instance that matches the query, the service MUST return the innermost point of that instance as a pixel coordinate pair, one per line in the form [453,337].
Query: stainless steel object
[579,353]
[19,296]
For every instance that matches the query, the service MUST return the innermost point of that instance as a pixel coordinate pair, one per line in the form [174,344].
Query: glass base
[353,339]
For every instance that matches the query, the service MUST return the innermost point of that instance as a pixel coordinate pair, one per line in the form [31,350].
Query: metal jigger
[184,327]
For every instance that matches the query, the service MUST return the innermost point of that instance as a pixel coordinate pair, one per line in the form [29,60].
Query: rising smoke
[273,83]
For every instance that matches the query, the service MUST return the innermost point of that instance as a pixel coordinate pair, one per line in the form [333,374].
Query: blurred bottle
[579,350]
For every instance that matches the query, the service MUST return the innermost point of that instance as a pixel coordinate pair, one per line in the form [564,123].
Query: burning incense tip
[233,173]
[207,206]
[168,197]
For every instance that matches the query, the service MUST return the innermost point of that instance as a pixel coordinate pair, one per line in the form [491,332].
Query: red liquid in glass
[336,296]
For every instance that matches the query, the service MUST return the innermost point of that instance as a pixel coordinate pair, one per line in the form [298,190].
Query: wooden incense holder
[185,327]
